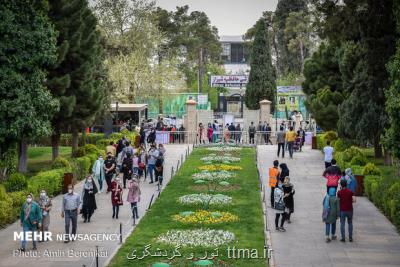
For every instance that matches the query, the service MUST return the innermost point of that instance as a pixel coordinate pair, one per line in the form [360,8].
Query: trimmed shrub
[358,160]
[18,198]
[16,182]
[368,181]
[102,143]
[80,152]
[61,162]
[371,169]
[91,149]
[82,167]
[6,208]
[330,136]
[393,204]
[351,152]
[50,180]
[321,143]
[357,169]
[341,145]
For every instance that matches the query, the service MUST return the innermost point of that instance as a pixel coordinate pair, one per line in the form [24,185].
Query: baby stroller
[297,144]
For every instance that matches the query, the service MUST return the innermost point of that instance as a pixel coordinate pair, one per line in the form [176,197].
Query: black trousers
[272,196]
[283,218]
[109,177]
[281,145]
[251,138]
[115,211]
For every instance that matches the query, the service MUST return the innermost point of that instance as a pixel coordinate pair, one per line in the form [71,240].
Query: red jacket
[332,179]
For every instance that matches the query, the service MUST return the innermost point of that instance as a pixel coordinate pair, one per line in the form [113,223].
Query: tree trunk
[377,148]
[388,158]
[75,140]
[302,56]
[55,144]
[83,137]
[22,156]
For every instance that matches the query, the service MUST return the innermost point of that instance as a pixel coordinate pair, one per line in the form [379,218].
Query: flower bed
[218,199]
[224,148]
[213,176]
[205,217]
[197,237]
[219,167]
[223,159]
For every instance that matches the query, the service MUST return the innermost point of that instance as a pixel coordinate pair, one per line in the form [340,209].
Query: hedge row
[384,192]
[66,139]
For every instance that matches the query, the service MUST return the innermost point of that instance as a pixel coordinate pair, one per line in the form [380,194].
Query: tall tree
[262,74]
[76,77]
[392,136]
[287,62]
[27,47]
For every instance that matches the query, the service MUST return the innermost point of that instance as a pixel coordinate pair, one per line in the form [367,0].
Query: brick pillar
[191,121]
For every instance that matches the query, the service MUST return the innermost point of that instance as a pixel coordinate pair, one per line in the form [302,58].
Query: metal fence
[218,137]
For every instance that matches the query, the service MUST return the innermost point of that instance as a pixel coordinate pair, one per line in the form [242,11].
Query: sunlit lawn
[39,158]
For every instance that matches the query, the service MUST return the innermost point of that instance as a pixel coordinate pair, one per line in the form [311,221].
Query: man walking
[268,131]
[70,211]
[290,138]
[252,132]
[273,180]
[347,198]
[280,139]
[328,154]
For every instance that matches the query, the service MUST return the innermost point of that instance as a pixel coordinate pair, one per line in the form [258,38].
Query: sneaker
[282,229]
[151,183]
[22,249]
[277,228]
[328,240]
[334,237]
[350,239]
[34,248]
[342,240]
[289,221]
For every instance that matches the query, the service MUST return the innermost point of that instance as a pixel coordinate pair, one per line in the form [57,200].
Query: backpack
[326,209]
[279,205]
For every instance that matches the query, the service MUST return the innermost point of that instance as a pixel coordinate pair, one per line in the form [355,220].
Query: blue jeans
[25,230]
[71,216]
[136,170]
[150,169]
[330,228]
[349,216]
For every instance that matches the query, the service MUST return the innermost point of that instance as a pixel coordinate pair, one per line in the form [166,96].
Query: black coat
[89,201]
[289,200]
[283,174]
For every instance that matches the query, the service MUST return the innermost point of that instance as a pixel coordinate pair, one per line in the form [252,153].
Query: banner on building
[290,99]
[229,80]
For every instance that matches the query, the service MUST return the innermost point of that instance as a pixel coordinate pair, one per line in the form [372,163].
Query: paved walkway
[101,223]
[376,242]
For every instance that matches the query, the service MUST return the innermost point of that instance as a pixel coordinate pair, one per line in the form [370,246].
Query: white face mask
[42,194]
[29,200]
[70,191]
[117,180]
[89,180]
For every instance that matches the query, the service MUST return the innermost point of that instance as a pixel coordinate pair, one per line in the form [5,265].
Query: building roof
[231,39]
[128,107]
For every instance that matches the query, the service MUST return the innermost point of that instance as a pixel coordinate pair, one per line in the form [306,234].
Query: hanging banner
[290,99]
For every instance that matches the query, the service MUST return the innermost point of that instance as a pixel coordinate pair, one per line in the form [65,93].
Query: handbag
[141,165]
[279,205]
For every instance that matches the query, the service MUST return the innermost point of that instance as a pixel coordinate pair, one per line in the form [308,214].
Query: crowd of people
[124,167]
[338,202]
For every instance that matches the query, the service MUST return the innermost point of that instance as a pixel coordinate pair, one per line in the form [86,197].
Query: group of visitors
[337,204]
[290,139]
[131,163]
[282,194]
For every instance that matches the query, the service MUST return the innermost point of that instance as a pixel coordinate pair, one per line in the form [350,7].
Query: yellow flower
[206,217]
[219,167]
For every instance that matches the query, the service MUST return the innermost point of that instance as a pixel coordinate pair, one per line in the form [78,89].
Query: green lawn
[246,204]
[387,171]
[39,158]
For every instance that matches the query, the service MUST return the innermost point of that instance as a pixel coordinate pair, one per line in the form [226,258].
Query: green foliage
[352,152]
[341,145]
[371,169]
[16,182]
[356,169]
[393,203]
[82,166]
[358,160]
[61,162]
[262,73]
[6,208]
[27,47]
[8,163]
[50,180]
[330,136]
[287,61]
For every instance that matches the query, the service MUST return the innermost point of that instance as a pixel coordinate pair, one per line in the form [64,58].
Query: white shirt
[328,151]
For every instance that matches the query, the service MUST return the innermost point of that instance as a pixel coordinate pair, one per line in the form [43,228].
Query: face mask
[89,180]
[29,200]
[42,194]
[109,157]
[70,191]
[280,185]
[117,179]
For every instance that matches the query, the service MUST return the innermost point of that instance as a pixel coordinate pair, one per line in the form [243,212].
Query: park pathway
[376,242]
[101,223]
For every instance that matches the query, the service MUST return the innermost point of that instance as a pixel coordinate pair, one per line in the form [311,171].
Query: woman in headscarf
[284,172]
[116,196]
[98,171]
[89,200]
[127,168]
[45,204]
[349,178]
[134,196]
[330,214]
[288,190]
[279,206]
